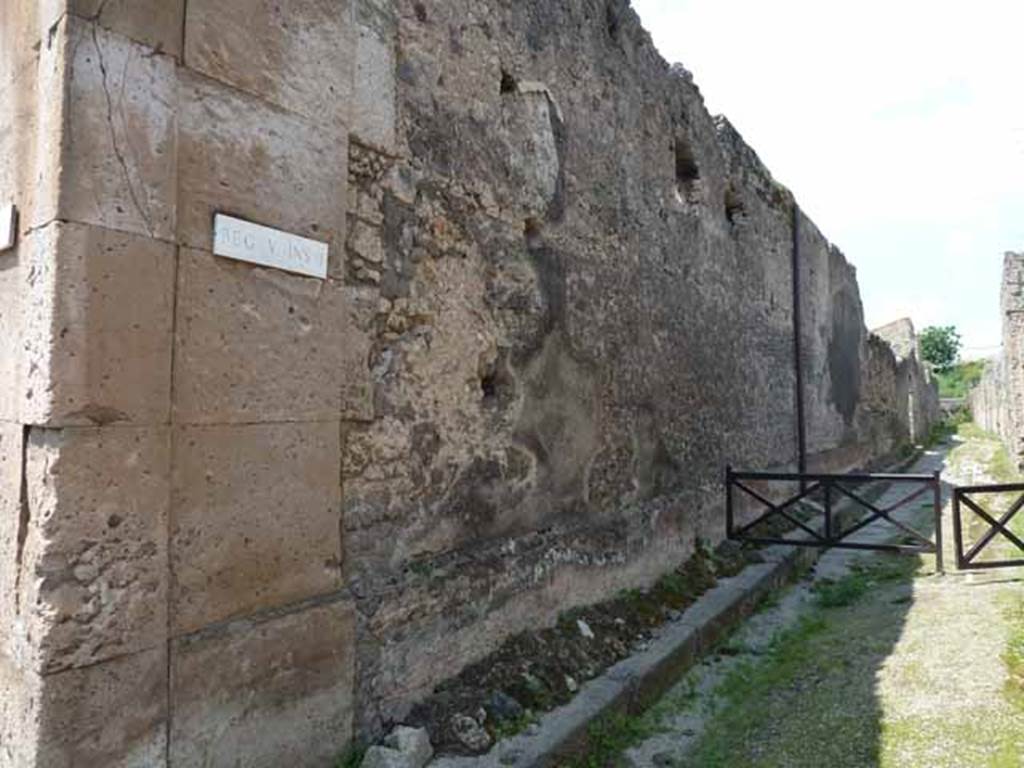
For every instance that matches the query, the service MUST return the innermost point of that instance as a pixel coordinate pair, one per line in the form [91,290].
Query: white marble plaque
[245,241]
[8,226]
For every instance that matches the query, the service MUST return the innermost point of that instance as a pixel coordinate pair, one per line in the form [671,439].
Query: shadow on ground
[815,702]
[887,665]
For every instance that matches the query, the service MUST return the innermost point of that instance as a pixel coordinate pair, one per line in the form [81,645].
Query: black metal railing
[826,490]
[968,559]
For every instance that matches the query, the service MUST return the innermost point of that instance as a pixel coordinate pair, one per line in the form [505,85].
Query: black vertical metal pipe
[729,522]
[801,429]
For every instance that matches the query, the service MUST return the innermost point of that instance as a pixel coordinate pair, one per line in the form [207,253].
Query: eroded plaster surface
[246,514]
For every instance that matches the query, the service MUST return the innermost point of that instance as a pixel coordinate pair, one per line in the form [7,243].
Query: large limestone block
[256,344]
[118,158]
[98,332]
[298,55]
[11,293]
[240,155]
[31,126]
[255,519]
[93,563]
[156,23]
[18,694]
[10,523]
[373,103]
[263,694]
[24,25]
[109,715]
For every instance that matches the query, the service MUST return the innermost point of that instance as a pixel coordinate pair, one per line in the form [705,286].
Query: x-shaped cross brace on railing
[878,513]
[779,509]
[997,526]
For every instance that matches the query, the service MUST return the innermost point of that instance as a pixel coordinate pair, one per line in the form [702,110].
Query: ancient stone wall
[171,440]
[997,403]
[988,401]
[247,513]
[916,386]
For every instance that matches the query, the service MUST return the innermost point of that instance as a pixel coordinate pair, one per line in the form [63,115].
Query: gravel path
[907,674]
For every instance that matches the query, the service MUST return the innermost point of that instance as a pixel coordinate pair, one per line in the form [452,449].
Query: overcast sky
[898,124]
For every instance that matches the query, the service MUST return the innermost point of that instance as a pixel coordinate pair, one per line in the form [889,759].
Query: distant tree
[940,346]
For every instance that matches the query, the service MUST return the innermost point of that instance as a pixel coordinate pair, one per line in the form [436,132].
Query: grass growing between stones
[538,670]
[1014,655]
[846,591]
[351,758]
[608,737]
[986,450]
[885,665]
[807,701]
[887,668]
[510,727]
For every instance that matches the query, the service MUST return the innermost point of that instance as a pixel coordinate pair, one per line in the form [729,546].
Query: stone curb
[635,683]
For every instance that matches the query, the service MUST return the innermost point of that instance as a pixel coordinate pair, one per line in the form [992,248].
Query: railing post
[958,534]
[728,502]
[828,511]
[937,483]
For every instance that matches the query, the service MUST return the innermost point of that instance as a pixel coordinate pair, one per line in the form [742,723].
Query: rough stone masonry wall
[915,384]
[997,403]
[587,313]
[243,513]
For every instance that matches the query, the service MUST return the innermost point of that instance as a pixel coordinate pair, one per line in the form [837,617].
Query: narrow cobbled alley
[871,660]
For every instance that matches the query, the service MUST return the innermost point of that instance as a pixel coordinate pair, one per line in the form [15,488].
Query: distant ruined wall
[997,403]
[915,385]
[248,514]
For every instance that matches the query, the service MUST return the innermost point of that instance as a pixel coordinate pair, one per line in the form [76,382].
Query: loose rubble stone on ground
[403,748]
[470,733]
[537,670]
